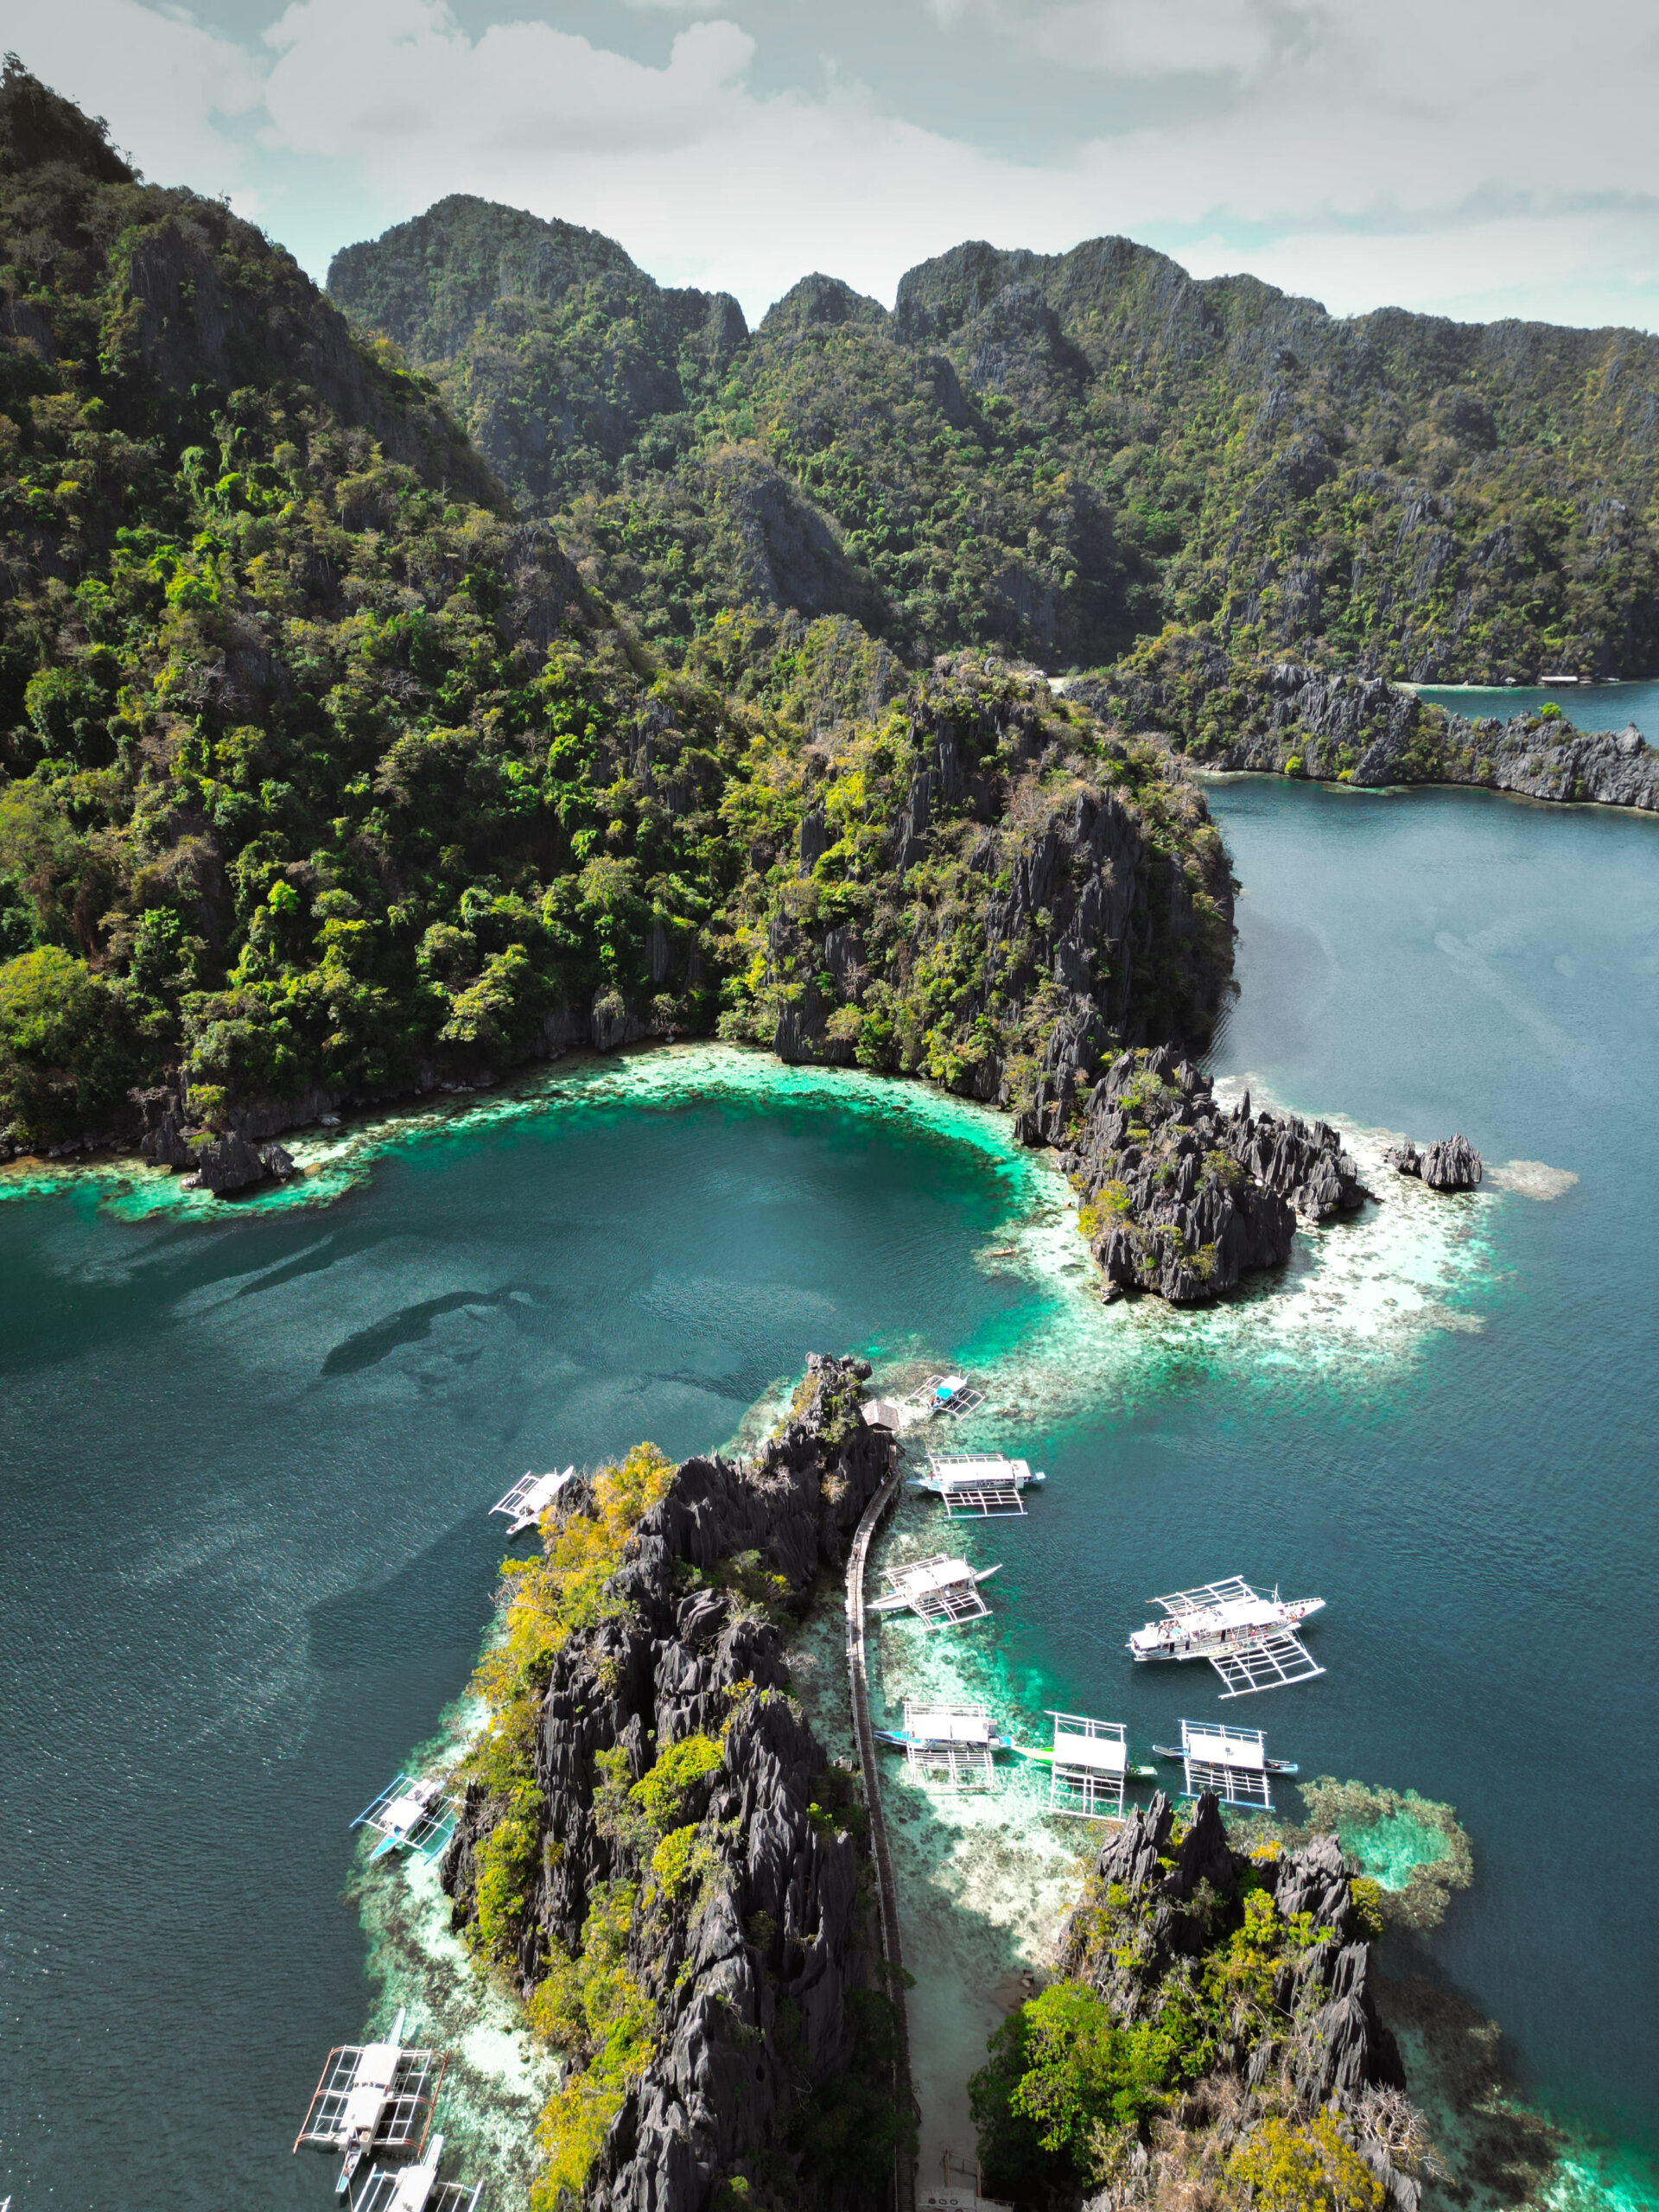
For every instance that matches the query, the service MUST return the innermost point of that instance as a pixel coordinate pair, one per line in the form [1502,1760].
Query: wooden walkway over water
[886,1897]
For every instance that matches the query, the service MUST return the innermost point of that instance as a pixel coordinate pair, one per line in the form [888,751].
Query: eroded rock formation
[1181,1196]
[759,1974]
[1451,1164]
[1314,2043]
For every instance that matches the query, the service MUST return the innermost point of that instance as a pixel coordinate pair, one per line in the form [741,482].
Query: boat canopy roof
[949,1723]
[1232,1762]
[961,1469]
[936,1573]
[1079,1741]
[1225,1605]
[531,1495]
[1219,1746]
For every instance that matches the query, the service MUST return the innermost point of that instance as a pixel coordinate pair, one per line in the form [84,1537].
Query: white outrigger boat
[1233,1763]
[953,1745]
[369,2097]
[926,1727]
[412,1814]
[940,1591]
[1249,1640]
[417,2188]
[985,1483]
[530,1497]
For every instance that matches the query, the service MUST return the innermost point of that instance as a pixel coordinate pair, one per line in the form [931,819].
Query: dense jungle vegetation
[324,770]
[1185,2053]
[1051,455]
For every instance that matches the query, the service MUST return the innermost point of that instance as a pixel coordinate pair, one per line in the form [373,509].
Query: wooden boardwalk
[886,1897]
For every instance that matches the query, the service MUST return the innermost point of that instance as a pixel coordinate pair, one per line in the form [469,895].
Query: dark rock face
[230,1163]
[790,554]
[1452,1165]
[236,1161]
[1325,2035]
[1181,1197]
[751,1984]
[1072,909]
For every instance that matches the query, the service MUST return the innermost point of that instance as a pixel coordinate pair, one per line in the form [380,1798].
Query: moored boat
[1249,1640]
[898,1740]
[1175,1751]
[988,1483]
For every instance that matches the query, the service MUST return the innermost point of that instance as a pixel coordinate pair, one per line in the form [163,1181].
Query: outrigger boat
[417,2188]
[942,1394]
[371,2097]
[409,1814]
[1175,1751]
[1232,1762]
[530,1497]
[985,1483]
[928,1731]
[940,1592]
[1249,1640]
[952,1746]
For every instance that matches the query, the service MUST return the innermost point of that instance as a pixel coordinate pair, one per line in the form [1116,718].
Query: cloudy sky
[1468,158]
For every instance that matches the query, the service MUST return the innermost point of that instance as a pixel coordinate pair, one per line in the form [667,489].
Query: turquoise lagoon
[248,1452]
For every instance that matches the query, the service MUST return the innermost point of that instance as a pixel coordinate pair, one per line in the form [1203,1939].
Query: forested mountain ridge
[324,775]
[1056,454]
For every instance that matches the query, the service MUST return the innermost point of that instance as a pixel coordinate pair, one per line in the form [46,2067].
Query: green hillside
[323,769]
[1051,455]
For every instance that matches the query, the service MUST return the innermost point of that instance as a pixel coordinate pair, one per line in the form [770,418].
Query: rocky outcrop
[1283,718]
[1313,2041]
[1182,1197]
[1329,2036]
[1452,1165]
[1026,926]
[234,1159]
[230,1163]
[755,1979]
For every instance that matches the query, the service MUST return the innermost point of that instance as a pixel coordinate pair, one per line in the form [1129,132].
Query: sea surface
[248,1450]
[1595,706]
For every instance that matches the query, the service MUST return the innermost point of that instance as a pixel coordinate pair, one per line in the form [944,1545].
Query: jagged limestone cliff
[1052,455]
[659,1855]
[1182,1197]
[987,888]
[1279,716]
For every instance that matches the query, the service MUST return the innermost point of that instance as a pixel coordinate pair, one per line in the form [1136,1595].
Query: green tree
[65,1053]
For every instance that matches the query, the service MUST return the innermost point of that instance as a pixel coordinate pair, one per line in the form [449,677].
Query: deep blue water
[1478,1506]
[1470,1486]
[246,1561]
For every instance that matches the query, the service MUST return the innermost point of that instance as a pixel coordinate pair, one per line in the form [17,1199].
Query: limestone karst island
[825,1104]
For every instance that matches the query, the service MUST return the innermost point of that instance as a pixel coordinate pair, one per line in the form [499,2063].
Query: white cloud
[1511,173]
[167,84]
[402,74]
[1145,38]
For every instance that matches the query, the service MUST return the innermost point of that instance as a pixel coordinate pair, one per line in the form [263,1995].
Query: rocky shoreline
[1181,1197]
[1283,718]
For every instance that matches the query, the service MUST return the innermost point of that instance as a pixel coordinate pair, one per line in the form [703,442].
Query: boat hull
[1270,1766]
